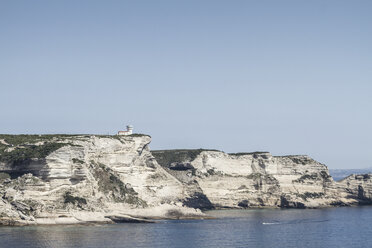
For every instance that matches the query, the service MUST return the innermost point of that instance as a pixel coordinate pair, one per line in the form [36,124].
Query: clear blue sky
[289,77]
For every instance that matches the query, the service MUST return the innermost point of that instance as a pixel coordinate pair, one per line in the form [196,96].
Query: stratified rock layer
[258,179]
[86,179]
[357,187]
[68,179]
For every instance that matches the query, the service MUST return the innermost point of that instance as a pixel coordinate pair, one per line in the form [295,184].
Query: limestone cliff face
[357,187]
[65,179]
[217,179]
[96,175]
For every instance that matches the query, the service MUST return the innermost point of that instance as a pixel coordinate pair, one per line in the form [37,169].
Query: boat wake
[293,222]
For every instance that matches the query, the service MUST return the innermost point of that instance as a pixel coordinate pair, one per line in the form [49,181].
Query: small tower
[128,132]
[130,129]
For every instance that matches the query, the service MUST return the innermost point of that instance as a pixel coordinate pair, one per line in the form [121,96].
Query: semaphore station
[128,132]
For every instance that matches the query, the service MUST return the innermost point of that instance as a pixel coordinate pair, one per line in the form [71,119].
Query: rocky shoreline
[83,179]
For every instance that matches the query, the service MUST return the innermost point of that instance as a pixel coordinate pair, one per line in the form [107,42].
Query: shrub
[77,161]
[4,176]
[74,199]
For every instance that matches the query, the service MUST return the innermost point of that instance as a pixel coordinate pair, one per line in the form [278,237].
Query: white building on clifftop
[128,132]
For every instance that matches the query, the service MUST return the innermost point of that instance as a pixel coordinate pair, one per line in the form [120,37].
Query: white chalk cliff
[67,179]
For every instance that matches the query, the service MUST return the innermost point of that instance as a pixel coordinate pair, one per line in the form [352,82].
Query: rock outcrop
[69,179]
[219,180]
[357,187]
[77,179]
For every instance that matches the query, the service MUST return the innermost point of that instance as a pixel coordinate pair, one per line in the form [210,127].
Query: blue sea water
[331,227]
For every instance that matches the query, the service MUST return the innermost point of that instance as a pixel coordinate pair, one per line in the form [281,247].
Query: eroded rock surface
[71,179]
[260,180]
[85,179]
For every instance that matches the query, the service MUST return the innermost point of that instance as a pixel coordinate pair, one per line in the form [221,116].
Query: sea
[330,227]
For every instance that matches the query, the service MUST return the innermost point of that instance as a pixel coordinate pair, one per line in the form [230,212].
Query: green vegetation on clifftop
[167,157]
[22,148]
[17,149]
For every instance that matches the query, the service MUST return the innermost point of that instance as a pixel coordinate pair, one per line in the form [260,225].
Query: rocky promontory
[71,179]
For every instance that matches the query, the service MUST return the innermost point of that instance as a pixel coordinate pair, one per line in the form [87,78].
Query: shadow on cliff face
[362,198]
[198,200]
[37,167]
[286,203]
